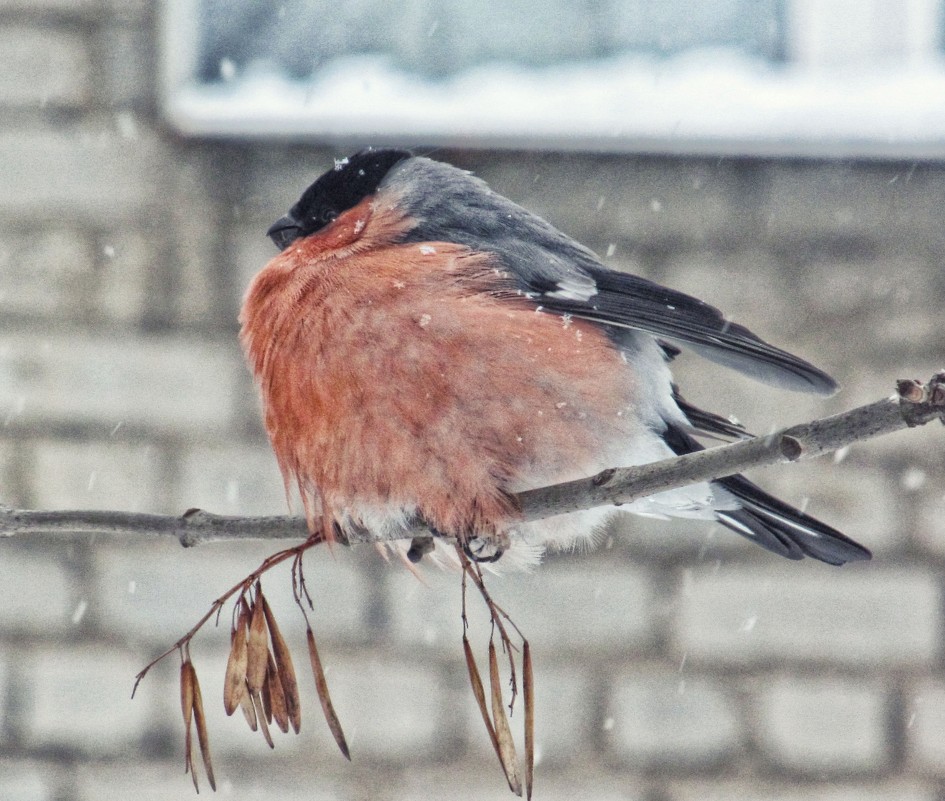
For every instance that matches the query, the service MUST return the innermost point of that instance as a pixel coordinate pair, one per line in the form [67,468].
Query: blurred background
[780,159]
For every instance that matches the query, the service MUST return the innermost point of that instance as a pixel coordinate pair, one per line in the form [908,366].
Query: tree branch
[914,404]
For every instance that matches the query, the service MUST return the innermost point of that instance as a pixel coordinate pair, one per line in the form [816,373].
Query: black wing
[629,301]
[563,276]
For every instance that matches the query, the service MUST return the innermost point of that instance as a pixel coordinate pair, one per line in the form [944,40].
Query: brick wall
[676,663]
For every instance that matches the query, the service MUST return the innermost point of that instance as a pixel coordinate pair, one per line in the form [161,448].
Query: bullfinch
[426,348]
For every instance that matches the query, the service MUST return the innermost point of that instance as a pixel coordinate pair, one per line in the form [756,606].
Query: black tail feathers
[785,530]
[774,524]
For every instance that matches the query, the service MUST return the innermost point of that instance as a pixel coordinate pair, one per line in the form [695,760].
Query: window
[819,77]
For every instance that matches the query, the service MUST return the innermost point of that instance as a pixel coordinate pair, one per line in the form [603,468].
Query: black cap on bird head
[344,186]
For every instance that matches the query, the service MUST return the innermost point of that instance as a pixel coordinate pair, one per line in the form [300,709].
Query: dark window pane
[438,39]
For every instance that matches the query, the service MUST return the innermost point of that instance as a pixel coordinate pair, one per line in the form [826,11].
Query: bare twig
[914,404]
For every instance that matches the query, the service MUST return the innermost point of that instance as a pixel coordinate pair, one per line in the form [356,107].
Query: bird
[425,349]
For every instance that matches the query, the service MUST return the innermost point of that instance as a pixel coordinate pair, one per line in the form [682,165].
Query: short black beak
[284,231]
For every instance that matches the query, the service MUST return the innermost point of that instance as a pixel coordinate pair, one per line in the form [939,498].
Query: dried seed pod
[267,696]
[321,685]
[476,682]
[186,692]
[277,700]
[503,732]
[234,685]
[187,708]
[528,690]
[261,717]
[286,670]
[202,735]
[249,710]
[257,648]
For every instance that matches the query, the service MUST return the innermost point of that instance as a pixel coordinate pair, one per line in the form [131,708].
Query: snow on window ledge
[709,101]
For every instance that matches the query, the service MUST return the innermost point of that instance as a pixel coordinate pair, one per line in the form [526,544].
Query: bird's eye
[327,215]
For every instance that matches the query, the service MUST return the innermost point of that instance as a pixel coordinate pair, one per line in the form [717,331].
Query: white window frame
[863,78]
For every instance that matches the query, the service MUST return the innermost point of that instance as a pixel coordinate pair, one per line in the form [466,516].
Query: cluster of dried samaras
[261,680]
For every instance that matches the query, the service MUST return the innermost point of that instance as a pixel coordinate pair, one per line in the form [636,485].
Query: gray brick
[198,221]
[424,609]
[833,287]
[96,475]
[167,382]
[483,781]
[903,286]
[80,700]
[735,281]
[924,723]
[392,711]
[232,479]
[130,10]
[929,531]
[6,726]
[752,614]
[839,199]
[599,199]
[12,491]
[91,175]
[46,272]
[753,789]
[127,56]
[43,66]
[557,607]
[123,278]
[163,781]
[679,721]
[65,7]
[55,274]
[596,606]
[156,592]
[27,780]
[566,706]
[823,726]
[41,595]
[601,787]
